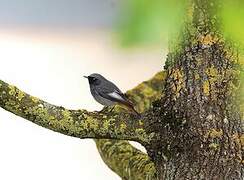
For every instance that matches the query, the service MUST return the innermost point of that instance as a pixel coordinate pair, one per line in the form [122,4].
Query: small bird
[107,93]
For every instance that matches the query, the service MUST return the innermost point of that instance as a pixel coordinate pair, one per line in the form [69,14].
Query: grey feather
[107,93]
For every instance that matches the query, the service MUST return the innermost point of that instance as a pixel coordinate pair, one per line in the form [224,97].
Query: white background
[50,66]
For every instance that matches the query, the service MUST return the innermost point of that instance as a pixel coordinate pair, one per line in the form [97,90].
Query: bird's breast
[100,99]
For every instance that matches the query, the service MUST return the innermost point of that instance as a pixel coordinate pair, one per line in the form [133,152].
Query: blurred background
[48,45]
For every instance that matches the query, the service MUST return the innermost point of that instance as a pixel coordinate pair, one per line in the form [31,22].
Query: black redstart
[107,93]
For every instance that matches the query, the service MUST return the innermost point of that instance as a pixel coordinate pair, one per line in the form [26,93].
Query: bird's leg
[104,109]
[107,109]
[111,109]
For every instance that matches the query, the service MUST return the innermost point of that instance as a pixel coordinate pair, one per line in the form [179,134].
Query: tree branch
[76,123]
[125,160]
[120,156]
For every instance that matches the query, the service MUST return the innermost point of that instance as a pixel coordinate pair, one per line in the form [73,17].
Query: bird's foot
[107,109]
[111,109]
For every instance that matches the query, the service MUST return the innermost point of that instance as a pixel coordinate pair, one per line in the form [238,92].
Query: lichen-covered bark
[77,123]
[200,118]
[192,118]
[120,156]
[127,161]
[117,125]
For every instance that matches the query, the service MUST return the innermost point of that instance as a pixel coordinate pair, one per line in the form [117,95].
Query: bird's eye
[94,80]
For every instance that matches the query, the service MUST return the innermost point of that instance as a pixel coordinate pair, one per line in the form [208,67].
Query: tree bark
[125,160]
[199,118]
[120,156]
[77,123]
[115,125]
[192,122]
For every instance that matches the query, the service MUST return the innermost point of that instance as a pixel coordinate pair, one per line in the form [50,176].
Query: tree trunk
[191,123]
[199,117]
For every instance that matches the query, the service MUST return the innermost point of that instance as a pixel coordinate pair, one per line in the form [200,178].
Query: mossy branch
[120,156]
[125,160]
[77,123]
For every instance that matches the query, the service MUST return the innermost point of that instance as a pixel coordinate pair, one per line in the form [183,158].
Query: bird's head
[94,79]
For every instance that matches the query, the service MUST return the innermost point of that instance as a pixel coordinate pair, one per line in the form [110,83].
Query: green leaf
[147,21]
[232,14]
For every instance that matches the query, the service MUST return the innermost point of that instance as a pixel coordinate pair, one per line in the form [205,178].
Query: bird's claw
[107,109]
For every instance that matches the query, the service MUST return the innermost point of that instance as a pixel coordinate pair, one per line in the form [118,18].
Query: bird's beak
[85,77]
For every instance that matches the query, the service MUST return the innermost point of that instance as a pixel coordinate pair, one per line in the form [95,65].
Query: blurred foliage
[242,91]
[232,14]
[147,21]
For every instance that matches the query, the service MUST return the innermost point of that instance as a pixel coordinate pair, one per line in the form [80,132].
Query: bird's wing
[117,96]
[112,95]
[112,92]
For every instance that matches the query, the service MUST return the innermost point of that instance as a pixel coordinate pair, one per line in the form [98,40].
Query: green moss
[122,127]
[12,106]
[126,160]
[142,135]
[107,123]
[214,146]
[146,90]
[92,123]
[85,124]
[12,91]
[34,99]
[20,95]
[66,115]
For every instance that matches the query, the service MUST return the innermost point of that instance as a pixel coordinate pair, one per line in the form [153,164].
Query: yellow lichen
[20,95]
[178,75]
[16,92]
[142,135]
[214,146]
[242,140]
[107,123]
[34,99]
[122,127]
[238,140]
[66,114]
[12,90]
[140,122]
[92,123]
[206,88]
[214,133]
[212,72]
[207,40]
[197,76]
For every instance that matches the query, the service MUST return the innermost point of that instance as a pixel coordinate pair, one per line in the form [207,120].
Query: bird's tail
[137,113]
[130,106]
